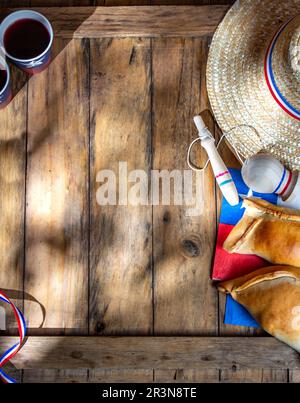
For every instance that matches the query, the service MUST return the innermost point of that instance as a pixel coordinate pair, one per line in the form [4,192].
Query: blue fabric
[236,314]
[232,214]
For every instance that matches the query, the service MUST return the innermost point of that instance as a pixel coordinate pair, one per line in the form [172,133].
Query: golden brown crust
[272,296]
[272,232]
[265,274]
[266,208]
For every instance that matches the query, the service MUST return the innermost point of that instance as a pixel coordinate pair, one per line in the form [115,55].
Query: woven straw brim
[240,98]
[286,78]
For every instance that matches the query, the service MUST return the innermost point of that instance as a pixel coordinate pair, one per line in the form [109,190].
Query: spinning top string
[224,135]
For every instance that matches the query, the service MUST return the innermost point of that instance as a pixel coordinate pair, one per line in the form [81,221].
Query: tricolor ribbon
[11,352]
[270,79]
[284,182]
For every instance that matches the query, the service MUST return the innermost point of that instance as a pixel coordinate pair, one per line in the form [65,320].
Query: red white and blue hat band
[270,79]
[284,182]
[11,352]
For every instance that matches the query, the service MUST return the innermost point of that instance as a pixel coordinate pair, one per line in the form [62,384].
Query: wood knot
[100,326]
[77,354]
[166,217]
[190,246]
[207,358]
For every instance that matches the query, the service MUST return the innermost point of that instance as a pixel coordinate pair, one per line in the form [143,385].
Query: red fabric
[232,265]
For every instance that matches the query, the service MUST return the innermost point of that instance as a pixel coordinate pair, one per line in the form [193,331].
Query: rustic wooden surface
[182,261]
[63,3]
[121,236]
[121,22]
[165,288]
[201,353]
[57,194]
[12,197]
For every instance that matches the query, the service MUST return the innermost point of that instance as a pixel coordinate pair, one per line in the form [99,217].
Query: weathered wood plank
[258,375]
[125,2]
[136,21]
[75,352]
[62,3]
[120,375]
[121,235]
[186,375]
[294,376]
[12,196]
[189,2]
[48,3]
[82,375]
[15,3]
[57,197]
[185,301]
[55,376]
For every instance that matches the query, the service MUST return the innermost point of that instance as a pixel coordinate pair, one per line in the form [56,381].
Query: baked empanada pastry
[272,296]
[269,231]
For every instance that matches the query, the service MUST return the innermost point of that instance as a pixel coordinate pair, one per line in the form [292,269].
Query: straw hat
[253,78]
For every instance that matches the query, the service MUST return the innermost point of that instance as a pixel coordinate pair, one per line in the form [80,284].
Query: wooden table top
[115,92]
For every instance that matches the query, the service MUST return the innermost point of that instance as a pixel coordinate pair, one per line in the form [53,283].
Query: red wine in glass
[26,39]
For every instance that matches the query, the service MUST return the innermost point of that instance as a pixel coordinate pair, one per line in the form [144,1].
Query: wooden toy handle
[222,175]
[216,161]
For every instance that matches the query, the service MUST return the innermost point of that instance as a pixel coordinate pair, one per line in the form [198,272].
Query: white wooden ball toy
[262,173]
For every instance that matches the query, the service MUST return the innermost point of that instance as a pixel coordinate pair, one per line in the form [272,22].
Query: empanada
[272,296]
[271,232]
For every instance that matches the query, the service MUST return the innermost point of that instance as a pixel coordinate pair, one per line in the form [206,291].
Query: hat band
[270,79]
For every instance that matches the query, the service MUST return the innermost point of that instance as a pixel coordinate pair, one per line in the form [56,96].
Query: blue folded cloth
[236,314]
